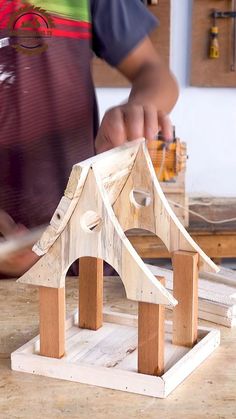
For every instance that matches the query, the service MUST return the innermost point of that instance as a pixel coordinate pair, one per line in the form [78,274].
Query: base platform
[108,357]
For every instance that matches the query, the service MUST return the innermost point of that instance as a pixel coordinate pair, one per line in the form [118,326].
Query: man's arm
[153,95]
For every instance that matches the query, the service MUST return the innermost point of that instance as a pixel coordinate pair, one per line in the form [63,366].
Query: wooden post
[185,289]
[151,336]
[52,321]
[90,293]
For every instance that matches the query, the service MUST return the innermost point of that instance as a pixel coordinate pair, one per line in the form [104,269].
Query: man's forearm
[153,95]
[155,85]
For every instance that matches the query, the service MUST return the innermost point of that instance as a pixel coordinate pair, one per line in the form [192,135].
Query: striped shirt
[48,113]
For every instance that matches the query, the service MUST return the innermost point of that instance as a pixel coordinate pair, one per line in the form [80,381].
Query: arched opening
[150,248]
[93,285]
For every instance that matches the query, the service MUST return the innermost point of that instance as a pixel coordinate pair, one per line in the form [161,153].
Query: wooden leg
[185,288]
[52,321]
[90,293]
[151,323]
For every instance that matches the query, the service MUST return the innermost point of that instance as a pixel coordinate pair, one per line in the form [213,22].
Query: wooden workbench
[216,240]
[209,392]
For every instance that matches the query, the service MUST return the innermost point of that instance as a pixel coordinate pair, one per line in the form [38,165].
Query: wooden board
[211,387]
[216,295]
[106,76]
[108,357]
[149,246]
[213,72]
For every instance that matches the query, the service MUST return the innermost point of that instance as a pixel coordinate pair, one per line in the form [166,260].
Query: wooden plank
[125,378]
[212,385]
[90,293]
[216,295]
[221,245]
[185,290]
[52,321]
[151,324]
[220,208]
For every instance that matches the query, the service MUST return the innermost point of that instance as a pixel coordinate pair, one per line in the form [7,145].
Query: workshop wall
[204,117]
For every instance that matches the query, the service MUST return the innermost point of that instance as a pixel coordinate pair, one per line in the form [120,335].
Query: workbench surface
[210,392]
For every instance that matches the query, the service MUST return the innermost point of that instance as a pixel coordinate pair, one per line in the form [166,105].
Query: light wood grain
[151,319]
[52,322]
[216,294]
[185,289]
[127,170]
[211,388]
[113,362]
[90,293]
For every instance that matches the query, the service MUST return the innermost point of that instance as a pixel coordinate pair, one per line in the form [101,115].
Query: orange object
[168,159]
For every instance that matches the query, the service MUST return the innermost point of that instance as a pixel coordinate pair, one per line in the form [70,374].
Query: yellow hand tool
[214,51]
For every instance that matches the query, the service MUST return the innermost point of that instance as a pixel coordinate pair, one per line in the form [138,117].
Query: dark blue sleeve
[118,26]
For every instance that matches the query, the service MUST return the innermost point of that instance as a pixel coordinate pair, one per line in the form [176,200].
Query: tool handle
[214,45]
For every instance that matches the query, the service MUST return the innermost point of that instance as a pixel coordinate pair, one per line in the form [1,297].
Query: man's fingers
[112,132]
[150,122]
[165,126]
[134,121]
[129,122]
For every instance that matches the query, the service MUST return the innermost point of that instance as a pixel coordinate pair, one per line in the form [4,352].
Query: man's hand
[153,95]
[18,262]
[129,122]
[16,265]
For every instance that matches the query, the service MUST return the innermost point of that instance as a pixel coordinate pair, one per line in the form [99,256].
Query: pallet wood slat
[124,375]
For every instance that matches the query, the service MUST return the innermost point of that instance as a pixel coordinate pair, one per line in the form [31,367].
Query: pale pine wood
[216,294]
[157,217]
[151,324]
[185,289]
[115,369]
[90,293]
[52,322]
[216,374]
[104,184]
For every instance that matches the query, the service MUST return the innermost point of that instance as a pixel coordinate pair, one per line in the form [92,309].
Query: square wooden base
[107,357]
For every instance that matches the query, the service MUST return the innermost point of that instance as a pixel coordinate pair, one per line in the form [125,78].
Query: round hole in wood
[140,199]
[91,222]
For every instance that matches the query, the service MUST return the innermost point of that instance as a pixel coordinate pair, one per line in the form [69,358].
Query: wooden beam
[151,319]
[215,245]
[52,321]
[90,293]
[185,290]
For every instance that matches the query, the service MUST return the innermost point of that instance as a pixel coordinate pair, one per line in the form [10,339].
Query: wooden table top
[209,392]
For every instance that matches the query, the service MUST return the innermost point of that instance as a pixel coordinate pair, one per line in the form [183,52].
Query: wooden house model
[106,196]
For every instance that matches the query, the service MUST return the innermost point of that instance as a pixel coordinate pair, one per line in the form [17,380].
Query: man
[48,109]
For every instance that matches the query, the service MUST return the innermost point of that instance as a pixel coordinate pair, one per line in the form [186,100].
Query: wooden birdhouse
[106,196]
